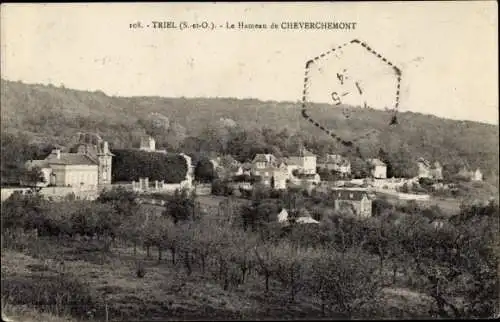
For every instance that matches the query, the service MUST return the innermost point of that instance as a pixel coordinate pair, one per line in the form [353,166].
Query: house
[471,175]
[246,168]
[302,216]
[98,150]
[358,199]
[283,216]
[477,175]
[306,220]
[148,144]
[274,177]
[305,161]
[424,168]
[68,169]
[428,170]
[226,166]
[274,172]
[262,161]
[336,163]
[88,167]
[437,171]
[379,170]
[306,179]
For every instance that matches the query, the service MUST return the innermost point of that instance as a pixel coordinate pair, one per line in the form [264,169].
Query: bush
[59,294]
[380,205]
[221,188]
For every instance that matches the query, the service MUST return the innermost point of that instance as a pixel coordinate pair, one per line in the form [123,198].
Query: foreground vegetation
[92,259]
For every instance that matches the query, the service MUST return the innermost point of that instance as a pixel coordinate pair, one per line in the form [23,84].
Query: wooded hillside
[52,114]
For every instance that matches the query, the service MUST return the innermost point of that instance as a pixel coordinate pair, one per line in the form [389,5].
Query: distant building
[304,162]
[148,144]
[428,170]
[246,168]
[306,220]
[359,200]
[226,166]
[68,170]
[273,177]
[98,150]
[424,168]
[262,161]
[283,216]
[336,163]
[471,175]
[437,171]
[302,216]
[88,167]
[477,175]
[379,170]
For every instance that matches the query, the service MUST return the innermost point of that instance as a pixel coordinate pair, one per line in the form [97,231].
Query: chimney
[57,153]
[105,147]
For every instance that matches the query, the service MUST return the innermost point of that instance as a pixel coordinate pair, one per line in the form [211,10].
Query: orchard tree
[33,178]
[181,207]
[122,200]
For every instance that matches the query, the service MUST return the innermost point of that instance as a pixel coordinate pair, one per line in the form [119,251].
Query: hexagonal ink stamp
[352,75]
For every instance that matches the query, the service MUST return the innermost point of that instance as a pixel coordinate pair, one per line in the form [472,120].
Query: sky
[447,51]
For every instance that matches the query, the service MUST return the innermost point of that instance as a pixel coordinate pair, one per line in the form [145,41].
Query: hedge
[130,165]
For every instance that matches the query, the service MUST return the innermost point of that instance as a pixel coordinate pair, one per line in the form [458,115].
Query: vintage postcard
[248,161]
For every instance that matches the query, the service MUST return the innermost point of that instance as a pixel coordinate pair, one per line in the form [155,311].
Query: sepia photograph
[249,161]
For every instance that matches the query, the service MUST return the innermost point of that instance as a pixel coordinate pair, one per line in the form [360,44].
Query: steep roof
[306,220]
[71,159]
[283,215]
[290,161]
[263,157]
[377,162]
[271,171]
[246,166]
[307,153]
[424,162]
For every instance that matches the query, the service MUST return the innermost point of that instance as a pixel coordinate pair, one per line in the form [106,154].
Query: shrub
[61,294]
[380,205]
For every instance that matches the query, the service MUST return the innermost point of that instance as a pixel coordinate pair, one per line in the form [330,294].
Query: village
[85,170]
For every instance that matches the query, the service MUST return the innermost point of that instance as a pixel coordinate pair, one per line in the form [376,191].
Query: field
[166,292]
[449,206]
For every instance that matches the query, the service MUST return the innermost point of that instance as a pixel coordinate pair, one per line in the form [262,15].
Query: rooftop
[377,162]
[263,157]
[70,159]
[343,194]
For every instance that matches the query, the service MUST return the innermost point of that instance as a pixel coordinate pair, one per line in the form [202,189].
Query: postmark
[347,77]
